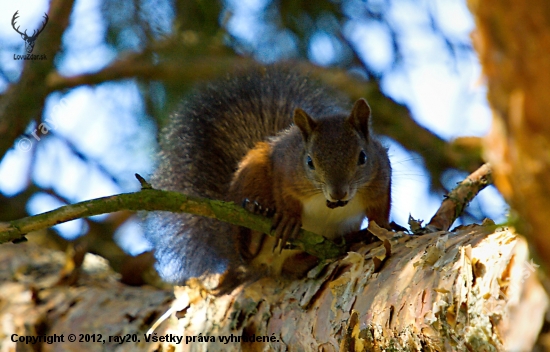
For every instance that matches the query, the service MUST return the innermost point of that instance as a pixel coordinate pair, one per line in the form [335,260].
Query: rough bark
[44,292]
[437,292]
[474,289]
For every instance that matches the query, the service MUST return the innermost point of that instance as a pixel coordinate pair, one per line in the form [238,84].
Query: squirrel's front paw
[258,207]
[286,227]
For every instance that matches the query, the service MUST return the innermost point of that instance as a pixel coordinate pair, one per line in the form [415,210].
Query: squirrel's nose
[338,194]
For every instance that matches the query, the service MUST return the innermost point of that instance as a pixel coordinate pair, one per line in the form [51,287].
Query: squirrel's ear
[360,116]
[304,122]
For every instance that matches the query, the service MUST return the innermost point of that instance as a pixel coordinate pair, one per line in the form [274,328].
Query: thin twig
[153,200]
[458,198]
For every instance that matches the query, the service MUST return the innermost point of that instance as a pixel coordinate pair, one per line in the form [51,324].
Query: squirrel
[282,145]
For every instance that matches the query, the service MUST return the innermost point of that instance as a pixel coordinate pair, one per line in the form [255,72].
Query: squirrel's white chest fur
[332,223]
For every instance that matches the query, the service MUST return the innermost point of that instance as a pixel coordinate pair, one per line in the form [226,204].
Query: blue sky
[106,122]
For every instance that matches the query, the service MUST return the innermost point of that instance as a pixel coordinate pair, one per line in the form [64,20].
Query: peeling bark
[34,302]
[474,289]
[442,291]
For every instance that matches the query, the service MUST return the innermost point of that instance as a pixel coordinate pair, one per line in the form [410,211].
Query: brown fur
[274,176]
[234,139]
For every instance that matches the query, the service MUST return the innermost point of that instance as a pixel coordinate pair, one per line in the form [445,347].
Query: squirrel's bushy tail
[200,150]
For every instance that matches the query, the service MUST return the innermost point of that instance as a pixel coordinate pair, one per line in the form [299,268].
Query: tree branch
[458,198]
[155,200]
[392,119]
[198,66]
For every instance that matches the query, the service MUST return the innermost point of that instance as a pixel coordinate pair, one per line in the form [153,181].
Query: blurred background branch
[24,101]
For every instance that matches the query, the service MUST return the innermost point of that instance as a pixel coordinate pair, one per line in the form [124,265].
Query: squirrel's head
[337,153]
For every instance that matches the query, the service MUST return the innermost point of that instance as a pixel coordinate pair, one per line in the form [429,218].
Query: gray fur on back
[200,150]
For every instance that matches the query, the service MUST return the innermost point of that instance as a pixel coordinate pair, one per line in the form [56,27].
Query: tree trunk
[513,42]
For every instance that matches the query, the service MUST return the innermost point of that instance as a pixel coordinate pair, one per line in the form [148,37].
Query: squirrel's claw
[286,228]
[295,227]
[248,205]
[257,208]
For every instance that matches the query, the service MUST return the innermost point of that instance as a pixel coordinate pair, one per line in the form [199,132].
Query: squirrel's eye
[310,163]
[362,158]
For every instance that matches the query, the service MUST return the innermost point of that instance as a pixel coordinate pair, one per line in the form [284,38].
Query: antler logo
[29,40]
